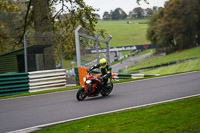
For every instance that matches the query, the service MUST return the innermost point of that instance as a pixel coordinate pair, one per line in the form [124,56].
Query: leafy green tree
[106,16]
[139,12]
[118,14]
[149,12]
[8,14]
[48,24]
[69,21]
[7,6]
[75,7]
[158,32]
[178,26]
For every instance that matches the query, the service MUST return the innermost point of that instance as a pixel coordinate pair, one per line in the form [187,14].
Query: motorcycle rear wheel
[81,95]
[106,92]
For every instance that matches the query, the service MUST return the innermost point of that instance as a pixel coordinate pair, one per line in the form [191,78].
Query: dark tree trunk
[43,31]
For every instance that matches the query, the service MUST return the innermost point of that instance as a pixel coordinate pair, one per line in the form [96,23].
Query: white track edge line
[30,129]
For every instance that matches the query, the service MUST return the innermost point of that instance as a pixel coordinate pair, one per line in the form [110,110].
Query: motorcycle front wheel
[81,94]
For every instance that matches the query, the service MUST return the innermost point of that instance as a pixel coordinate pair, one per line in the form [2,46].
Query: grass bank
[193,65]
[124,34]
[157,60]
[179,116]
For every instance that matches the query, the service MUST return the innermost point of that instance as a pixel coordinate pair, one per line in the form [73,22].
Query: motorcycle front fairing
[91,81]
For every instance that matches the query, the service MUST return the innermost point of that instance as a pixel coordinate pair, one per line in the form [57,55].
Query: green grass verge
[126,53]
[41,92]
[157,60]
[124,34]
[179,116]
[178,68]
[145,52]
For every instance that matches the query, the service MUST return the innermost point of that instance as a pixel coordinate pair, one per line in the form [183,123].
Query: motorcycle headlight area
[88,81]
[84,79]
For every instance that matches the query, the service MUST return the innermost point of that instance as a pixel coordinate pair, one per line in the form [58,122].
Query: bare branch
[25,22]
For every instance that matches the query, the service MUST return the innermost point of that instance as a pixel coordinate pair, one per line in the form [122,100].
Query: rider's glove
[88,71]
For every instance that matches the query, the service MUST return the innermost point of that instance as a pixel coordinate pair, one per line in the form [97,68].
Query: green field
[174,117]
[178,68]
[124,34]
[157,60]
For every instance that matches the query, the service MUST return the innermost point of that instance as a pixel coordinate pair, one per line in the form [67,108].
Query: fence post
[97,49]
[78,46]
[60,49]
[25,52]
[108,49]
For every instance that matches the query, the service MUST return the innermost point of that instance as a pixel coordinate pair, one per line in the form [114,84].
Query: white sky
[126,5]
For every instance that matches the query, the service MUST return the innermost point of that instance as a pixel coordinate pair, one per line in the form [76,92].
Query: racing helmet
[103,62]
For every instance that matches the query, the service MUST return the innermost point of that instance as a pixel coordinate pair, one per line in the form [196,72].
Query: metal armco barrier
[131,76]
[13,83]
[136,76]
[47,79]
[122,76]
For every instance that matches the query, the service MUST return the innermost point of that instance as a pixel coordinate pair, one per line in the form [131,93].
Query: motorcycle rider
[105,72]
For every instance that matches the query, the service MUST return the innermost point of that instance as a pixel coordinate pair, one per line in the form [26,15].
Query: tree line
[176,26]
[41,16]
[44,21]
[137,12]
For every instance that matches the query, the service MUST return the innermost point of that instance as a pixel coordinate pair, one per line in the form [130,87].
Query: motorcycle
[93,87]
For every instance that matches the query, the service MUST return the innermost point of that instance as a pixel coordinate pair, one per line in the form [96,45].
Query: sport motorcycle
[94,86]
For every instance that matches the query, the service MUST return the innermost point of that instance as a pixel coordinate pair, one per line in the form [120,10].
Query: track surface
[128,62]
[31,111]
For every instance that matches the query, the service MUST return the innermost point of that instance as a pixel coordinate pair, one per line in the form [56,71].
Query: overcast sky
[126,5]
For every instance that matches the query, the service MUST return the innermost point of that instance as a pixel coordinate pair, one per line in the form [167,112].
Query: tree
[106,16]
[183,19]
[8,30]
[175,27]
[46,26]
[118,14]
[139,12]
[111,13]
[149,12]
[69,21]
[155,8]
[138,1]
[75,7]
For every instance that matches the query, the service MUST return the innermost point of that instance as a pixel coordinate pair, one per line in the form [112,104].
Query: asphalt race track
[25,112]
